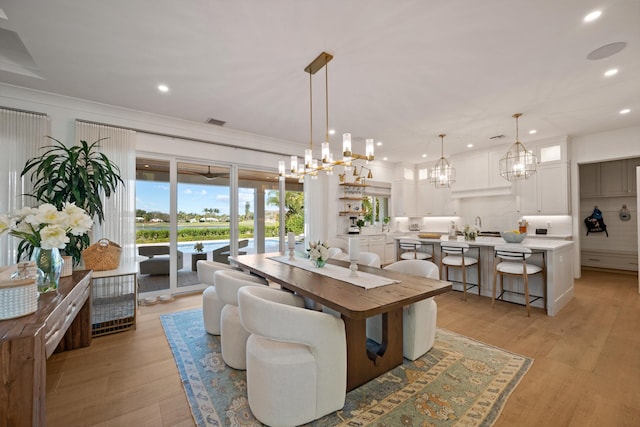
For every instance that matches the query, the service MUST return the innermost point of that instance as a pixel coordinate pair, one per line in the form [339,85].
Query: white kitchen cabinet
[545,192]
[376,244]
[478,174]
[389,253]
[432,201]
[403,198]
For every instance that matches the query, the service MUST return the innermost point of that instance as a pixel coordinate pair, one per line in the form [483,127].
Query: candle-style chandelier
[326,163]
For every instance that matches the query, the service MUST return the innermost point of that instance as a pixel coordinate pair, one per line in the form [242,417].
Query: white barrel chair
[418,319]
[296,358]
[370,259]
[211,304]
[233,337]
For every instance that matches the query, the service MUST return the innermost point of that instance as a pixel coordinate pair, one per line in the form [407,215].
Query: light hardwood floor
[586,370]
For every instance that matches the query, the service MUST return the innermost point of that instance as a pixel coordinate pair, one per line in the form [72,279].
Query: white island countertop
[532,243]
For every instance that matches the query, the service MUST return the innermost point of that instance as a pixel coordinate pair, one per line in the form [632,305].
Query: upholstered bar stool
[410,249]
[454,254]
[233,337]
[511,260]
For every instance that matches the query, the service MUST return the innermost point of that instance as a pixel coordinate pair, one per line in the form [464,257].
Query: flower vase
[50,262]
[319,262]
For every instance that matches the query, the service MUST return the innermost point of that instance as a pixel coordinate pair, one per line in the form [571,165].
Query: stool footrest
[532,298]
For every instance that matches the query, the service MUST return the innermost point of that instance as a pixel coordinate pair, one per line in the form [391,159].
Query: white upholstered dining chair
[233,337]
[418,319]
[211,304]
[296,358]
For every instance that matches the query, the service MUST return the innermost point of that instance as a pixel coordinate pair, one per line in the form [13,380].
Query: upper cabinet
[545,192]
[403,192]
[477,174]
[616,178]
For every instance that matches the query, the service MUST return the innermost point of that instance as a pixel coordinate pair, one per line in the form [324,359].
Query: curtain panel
[119,146]
[22,135]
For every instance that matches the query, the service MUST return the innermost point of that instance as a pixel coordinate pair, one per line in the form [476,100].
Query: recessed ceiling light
[379,143]
[611,72]
[532,131]
[625,111]
[384,158]
[593,16]
[332,131]
[424,155]
[469,145]
[163,88]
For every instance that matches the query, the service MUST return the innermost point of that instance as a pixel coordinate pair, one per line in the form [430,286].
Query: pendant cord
[310,114]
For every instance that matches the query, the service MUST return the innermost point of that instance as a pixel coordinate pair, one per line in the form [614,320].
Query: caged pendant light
[442,174]
[518,163]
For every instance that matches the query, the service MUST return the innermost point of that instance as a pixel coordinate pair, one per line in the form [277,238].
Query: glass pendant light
[442,174]
[518,163]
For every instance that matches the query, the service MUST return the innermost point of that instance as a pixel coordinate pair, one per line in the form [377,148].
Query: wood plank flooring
[586,370]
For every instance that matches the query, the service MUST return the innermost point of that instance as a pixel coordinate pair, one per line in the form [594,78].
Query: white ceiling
[403,71]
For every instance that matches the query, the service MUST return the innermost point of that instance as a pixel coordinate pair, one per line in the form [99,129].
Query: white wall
[597,147]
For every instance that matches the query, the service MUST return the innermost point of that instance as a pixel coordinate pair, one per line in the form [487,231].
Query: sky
[192,198]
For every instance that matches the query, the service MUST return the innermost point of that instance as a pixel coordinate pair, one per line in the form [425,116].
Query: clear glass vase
[319,262]
[50,262]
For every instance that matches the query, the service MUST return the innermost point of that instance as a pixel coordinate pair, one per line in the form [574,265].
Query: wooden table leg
[363,365]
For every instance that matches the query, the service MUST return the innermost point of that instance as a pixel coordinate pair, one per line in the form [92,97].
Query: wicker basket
[101,256]
[18,298]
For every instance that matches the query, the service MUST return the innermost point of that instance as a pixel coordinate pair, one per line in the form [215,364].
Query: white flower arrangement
[470,232]
[318,251]
[45,226]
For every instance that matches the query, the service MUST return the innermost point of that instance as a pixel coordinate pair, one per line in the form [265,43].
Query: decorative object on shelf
[103,255]
[354,254]
[318,253]
[513,236]
[78,174]
[470,232]
[50,262]
[442,174]
[326,163]
[43,231]
[518,163]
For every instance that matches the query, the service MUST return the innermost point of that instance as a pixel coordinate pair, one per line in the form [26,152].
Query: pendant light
[518,163]
[442,174]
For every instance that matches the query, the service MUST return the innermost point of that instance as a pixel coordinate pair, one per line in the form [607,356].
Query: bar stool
[409,249]
[454,254]
[511,260]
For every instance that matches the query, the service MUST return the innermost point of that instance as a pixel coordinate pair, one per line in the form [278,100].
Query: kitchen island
[558,255]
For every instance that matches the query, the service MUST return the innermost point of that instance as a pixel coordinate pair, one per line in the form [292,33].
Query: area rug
[459,382]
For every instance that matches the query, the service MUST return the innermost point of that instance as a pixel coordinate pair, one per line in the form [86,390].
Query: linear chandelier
[326,162]
[442,174]
[518,163]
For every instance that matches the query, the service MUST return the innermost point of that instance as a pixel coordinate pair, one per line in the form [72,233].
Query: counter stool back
[511,260]
[410,249]
[454,254]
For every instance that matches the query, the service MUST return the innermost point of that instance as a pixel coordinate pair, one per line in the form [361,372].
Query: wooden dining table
[355,304]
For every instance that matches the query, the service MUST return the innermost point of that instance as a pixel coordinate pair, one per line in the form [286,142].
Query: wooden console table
[62,322]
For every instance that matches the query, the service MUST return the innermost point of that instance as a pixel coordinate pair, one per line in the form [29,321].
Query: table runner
[364,280]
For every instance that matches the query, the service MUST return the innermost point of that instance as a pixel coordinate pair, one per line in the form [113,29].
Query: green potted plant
[77,174]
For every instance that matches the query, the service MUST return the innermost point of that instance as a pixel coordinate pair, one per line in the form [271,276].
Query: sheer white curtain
[119,210]
[22,135]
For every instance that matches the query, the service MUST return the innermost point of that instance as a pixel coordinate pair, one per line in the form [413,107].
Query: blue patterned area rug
[459,382]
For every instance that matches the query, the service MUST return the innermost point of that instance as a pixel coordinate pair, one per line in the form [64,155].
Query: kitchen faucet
[477,222]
